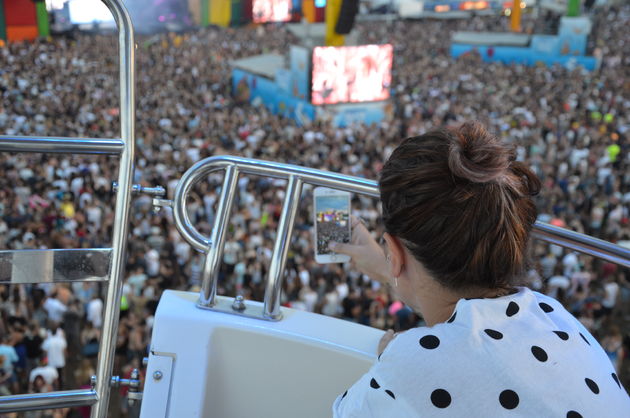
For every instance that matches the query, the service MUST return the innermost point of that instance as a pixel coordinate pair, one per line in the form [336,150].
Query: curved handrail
[296,176]
[206,166]
[233,166]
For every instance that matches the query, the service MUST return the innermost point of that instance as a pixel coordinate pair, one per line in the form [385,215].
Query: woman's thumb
[347,249]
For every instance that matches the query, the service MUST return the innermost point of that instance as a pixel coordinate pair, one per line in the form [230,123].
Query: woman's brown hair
[461,205]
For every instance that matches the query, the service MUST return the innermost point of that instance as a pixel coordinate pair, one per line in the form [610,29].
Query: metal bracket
[139,189]
[158,385]
[249,309]
[158,204]
[158,191]
[117,382]
[133,395]
[58,265]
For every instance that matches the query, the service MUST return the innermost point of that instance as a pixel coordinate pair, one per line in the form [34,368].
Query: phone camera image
[332,214]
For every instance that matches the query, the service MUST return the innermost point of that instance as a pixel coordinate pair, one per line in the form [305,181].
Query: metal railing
[50,144]
[213,246]
[297,176]
[98,397]
[54,265]
[59,399]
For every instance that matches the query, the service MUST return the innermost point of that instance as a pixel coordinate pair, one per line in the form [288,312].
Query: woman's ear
[395,254]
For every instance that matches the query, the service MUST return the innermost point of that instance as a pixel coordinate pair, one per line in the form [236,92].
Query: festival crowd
[571,126]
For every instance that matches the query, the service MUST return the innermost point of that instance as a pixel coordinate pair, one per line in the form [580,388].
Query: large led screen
[271,10]
[351,74]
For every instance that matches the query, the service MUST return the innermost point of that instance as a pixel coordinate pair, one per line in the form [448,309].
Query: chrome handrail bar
[55,265]
[583,243]
[296,175]
[49,400]
[273,290]
[256,167]
[99,396]
[233,166]
[213,258]
[127,45]
[49,144]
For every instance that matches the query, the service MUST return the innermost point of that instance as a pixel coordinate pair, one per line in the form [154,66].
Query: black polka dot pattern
[543,348]
[545,307]
[539,353]
[512,309]
[429,342]
[493,334]
[563,335]
[592,385]
[440,398]
[508,399]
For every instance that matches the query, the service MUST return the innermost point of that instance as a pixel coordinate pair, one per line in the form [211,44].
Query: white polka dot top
[521,355]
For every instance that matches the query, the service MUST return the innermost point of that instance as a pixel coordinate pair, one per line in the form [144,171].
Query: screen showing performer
[271,11]
[351,74]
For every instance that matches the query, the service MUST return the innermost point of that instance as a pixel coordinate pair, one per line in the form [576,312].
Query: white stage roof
[491,38]
[265,65]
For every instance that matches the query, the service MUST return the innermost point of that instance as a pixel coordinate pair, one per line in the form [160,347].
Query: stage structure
[238,12]
[151,16]
[339,14]
[342,84]
[22,20]
[567,48]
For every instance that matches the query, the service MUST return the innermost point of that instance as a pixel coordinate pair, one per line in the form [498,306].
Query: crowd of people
[571,126]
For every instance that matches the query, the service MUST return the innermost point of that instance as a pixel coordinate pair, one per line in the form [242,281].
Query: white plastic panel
[228,366]
[157,390]
[283,377]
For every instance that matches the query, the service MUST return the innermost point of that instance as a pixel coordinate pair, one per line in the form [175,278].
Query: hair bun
[478,156]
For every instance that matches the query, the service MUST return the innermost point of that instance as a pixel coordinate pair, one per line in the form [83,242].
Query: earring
[395,281]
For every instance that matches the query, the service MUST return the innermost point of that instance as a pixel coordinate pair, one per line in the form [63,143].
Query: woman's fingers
[348,249]
[355,221]
[364,251]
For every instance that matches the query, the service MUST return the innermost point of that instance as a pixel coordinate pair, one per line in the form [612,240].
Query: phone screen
[332,214]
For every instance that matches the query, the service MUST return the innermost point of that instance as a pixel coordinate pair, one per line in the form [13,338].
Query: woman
[458,211]
[612,344]
[90,337]
[83,376]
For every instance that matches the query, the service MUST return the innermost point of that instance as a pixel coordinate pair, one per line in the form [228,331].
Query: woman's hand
[365,252]
[385,339]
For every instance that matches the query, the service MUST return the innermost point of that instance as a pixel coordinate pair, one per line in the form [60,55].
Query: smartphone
[332,223]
